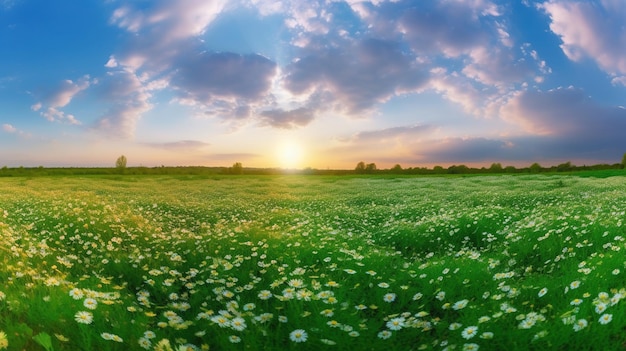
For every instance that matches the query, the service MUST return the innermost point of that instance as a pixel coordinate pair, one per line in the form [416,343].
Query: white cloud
[59,97]
[591,29]
[9,128]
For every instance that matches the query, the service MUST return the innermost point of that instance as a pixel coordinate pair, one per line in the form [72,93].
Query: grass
[307,263]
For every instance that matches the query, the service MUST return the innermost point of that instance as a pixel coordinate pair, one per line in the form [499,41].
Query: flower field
[531,262]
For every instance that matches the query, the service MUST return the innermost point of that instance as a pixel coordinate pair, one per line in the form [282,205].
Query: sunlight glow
[290,155]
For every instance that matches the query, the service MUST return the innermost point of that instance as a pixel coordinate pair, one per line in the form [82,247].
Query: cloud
[207,76]
[291,119]
[358,75]
[128,100]
[402,132]
[9,128]
[60,96]
[564,112]
[180,146]
[591,29]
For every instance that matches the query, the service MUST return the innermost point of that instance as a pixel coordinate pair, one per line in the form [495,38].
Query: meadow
[511,262]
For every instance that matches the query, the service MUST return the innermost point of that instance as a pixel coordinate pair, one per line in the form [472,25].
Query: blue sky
[321,84]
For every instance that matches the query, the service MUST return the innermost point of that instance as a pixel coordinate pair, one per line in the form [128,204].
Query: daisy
[469,332]
[90,303]
[76,294]
[144,343]
[605,318]
[389,297]
[83,317]
[542,292]
[265,294]
[396,323]
[580,324]
[238,324]
[234,339]
[298,335]
[459,305]
[385,334]
[470,347]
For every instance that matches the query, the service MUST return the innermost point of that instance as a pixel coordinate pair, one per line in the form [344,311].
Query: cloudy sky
[321,84]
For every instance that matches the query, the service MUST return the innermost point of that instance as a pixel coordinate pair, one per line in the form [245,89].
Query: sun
[290,155]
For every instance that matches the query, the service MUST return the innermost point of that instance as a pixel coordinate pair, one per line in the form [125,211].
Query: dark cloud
[408,132]
[207,76]
[358,75]
[291,119]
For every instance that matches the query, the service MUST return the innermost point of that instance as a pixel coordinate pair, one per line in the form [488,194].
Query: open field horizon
[517,262]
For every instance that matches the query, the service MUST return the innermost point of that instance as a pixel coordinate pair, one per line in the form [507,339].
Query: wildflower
[469,332]
[396,323]
[332,284]
[385,334]
[383,285]
[470,347]
[249,306]
[354,333]
[389,297]
[600,308]
[282,319]
[349,271]
[83,317]
[238,324]
[265,294]
[459,305]
[296,283]
[327,312]
[327,342]
[144,343]
[576,302]
[417,296]
[580,324]
[220,320]
[605,318]
[76,294]
[486,335]
[90,303]
[234,339]
[298,335]
[333,324]
[574,285]
[360,307]
[440,295]
[4,341]
[542,292]
[455,326]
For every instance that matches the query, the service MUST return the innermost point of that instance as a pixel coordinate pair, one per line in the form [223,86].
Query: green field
[525,262]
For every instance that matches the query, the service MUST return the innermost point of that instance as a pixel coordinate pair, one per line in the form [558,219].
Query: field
[525,262]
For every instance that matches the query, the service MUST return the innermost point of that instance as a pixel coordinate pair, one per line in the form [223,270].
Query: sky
[321,84]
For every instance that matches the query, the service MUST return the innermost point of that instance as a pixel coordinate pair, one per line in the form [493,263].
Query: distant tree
[237,168]
[120,163]
[360,167]
[396,169]
[535,168]
[510,169]
[495,168]
[623,161]
[564,167]
[438,169]
[370,168]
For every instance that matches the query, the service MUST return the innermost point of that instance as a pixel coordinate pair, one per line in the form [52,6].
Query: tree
[495,168]
[360,167]
[396,169]
[370,168]
[535,168]
[237,168]
[120,163]
[624,161]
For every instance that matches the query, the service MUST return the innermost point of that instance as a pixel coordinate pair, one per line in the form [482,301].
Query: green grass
[517,261]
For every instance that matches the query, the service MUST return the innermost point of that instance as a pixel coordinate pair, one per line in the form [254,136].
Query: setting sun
[290,155]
